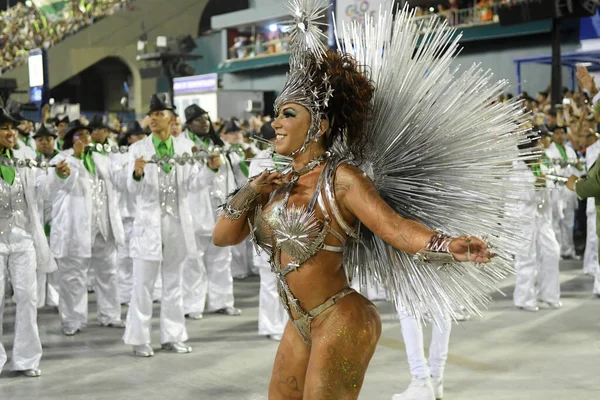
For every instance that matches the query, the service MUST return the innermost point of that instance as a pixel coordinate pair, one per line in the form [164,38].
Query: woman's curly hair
[351,106]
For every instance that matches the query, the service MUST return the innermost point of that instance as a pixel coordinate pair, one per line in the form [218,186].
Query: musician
[23,247]
[564,202]
[133,134]
[233,136]
[61,130]
[48,284]
[537,261]
[87,227]
[162,230]
[217,294]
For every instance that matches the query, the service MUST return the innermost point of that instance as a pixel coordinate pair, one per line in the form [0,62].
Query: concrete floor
[508,355]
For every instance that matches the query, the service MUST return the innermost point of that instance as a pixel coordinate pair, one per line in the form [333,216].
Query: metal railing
[479,15]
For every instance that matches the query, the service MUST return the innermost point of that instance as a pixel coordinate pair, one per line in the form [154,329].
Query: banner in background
[355,10]
[52,9]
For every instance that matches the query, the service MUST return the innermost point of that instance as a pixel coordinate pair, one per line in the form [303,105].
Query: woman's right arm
[231,227]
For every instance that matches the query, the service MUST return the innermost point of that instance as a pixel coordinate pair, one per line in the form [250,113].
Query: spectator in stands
[26,27]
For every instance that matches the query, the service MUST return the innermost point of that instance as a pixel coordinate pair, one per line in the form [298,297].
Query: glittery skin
[296,233]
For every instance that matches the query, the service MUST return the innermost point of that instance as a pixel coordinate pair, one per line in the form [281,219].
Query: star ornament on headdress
[328,95]
[306,33]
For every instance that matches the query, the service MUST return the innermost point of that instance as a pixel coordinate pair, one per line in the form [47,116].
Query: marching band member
[48,284]
[272,317]
[23,247]
[162,230]
[590,256]
[61,130]
[133,134]
[537,261]
[564,202]
[219,291]
[86,229]
[233,136]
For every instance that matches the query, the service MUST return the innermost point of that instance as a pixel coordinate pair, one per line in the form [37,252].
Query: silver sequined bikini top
[297,231]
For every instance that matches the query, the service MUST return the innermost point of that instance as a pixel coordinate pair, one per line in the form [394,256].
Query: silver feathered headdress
[304,85]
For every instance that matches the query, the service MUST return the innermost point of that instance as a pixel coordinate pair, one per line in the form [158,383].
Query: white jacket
[71,233]
[146,240]
[126,200]
[37,184]
[201,208]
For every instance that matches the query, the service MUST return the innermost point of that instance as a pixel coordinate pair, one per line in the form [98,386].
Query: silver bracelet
[437,250]
[240,202]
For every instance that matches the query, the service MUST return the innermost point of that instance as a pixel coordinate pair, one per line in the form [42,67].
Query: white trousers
[537,268]
[412,333]
[220,282]
[240,262]
[48,289]
[195,277]
[125,264]
[172,319]
[590,256]
[18,260]
[73,302]
[564,206]
[272,317]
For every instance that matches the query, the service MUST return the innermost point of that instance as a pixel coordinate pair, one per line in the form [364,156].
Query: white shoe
[276,338]
[555,306]
[194,315]
[143,350]
[529,308]
[176,347]
[419,389]
[32,373]
[438,387]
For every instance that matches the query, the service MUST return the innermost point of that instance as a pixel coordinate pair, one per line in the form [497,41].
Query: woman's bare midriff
[323,275]
[319,278]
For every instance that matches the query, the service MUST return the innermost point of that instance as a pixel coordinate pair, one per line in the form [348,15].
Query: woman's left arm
[357,194]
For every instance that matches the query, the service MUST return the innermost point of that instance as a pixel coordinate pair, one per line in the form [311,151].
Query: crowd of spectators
[24,27]
[574,112]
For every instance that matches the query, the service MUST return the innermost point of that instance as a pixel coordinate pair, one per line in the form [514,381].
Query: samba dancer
[303,219]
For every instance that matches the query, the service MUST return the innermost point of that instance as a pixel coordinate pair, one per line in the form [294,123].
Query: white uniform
[590,256]
[162,232]
[195,277]
[124,261]
[536,262]
[48,284]
[219,259]
[412,333]
[23,248]
[29,142]
[86,228]
[272,317]
[240,260]
[564,202]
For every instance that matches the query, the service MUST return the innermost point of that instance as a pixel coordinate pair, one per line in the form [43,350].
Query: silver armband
[240,202]
[437,250]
